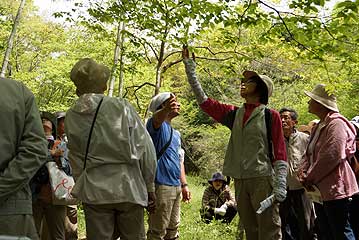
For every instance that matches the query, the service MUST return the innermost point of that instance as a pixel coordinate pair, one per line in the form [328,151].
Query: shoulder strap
[160,153]
[92,126]
[229,118]
[268,120]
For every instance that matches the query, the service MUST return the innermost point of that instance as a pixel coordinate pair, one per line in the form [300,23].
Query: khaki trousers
[18,225]
[164,223]
[110,221]
[249,194]
[55,219]
[71,222]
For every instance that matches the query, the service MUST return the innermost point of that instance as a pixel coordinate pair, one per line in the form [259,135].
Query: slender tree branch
[336,39]
[245,10]
[170,54]
[288,30]
[144,42]
[137,88]
[167,66]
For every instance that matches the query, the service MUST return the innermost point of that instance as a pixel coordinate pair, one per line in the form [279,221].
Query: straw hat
[320,95]
[157,101]
[89,76]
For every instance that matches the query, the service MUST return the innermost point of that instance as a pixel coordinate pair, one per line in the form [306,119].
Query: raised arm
[222,113]
[190,66]
[169,106]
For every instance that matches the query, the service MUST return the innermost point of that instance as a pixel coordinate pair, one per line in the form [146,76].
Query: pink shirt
[326,163]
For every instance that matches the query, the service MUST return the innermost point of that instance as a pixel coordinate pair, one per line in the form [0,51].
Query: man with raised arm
[170,175]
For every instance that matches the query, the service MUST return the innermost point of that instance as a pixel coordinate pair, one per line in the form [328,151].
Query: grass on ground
[191,227]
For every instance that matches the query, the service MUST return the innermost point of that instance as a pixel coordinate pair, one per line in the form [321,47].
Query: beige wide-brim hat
[320,95]
[267,80]
[157,101]
[89,76]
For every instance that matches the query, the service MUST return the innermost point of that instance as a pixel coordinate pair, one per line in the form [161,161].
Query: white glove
[224,206]
[280,180]
[220,211]
[190,66]
[266,203]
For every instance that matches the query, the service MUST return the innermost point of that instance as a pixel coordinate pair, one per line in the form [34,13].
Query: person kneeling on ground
[218,201]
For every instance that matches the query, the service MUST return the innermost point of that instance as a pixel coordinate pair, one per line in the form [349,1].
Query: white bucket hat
[320,95]
[267,80]
[157,101]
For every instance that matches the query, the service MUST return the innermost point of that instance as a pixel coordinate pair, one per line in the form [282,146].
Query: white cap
[157,101]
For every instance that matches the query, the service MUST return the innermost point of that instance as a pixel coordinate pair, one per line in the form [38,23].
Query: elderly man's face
[287,121]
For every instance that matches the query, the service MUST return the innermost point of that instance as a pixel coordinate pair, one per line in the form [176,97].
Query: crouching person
[217,201]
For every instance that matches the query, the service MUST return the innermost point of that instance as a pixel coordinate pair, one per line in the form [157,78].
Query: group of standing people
[271,161]
[122,166]
[113,160]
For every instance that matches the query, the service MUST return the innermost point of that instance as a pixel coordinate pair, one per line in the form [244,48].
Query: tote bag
[61,185]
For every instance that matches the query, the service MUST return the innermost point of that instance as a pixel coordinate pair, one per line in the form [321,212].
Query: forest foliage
[298,45]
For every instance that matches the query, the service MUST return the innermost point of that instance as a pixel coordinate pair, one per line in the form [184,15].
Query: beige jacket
[121,162]
[23,146]
[296,147]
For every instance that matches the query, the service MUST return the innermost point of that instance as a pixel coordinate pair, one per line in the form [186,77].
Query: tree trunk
[122,65]
[11,39]
[115,61]
[158,67]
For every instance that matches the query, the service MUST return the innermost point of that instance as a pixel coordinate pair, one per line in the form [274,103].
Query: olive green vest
[247,152]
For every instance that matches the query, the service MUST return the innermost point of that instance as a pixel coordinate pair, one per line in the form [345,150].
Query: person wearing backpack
[170,175]
[256,156]
[326,163]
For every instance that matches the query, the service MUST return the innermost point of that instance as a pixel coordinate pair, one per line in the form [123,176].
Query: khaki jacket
[23,146]
[296,147]
[247,152]
[121,162]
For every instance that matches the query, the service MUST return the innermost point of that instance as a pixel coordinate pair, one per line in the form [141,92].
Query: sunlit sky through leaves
[48,7]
